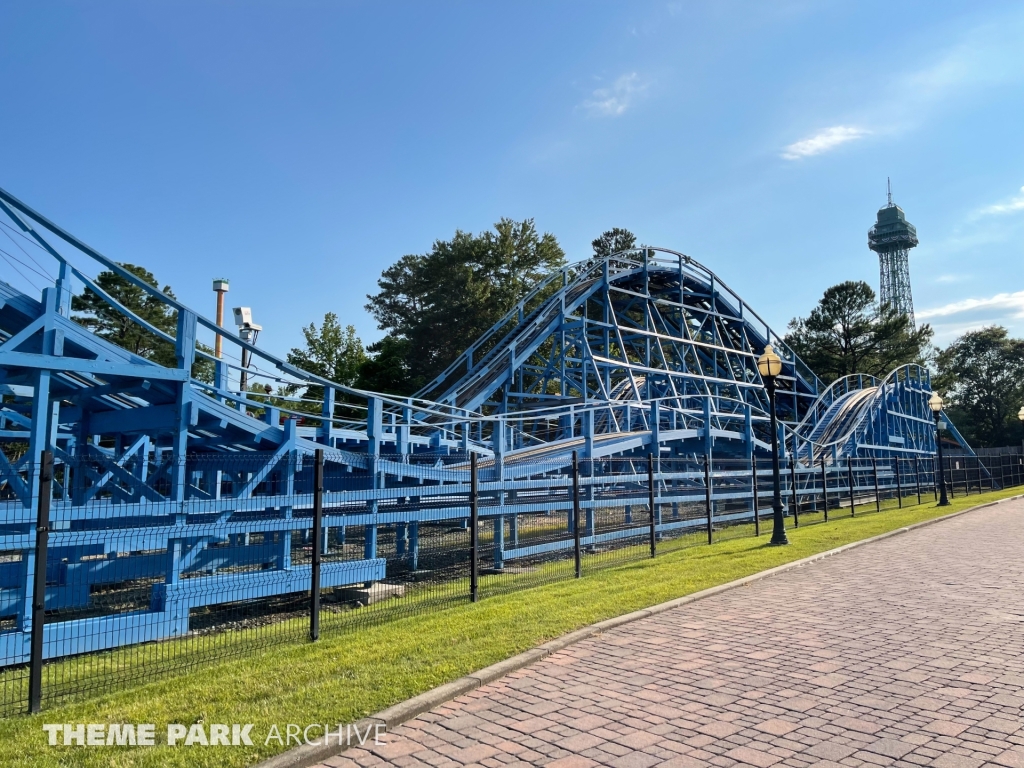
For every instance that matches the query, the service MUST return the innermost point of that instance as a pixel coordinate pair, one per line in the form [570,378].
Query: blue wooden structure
[203,492]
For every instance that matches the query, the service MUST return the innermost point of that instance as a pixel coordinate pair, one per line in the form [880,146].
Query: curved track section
[643,341]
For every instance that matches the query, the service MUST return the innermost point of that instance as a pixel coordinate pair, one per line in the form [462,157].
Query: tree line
[980,374]
[432,306]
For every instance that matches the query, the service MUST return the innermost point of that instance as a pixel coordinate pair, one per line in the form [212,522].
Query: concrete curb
[310,754]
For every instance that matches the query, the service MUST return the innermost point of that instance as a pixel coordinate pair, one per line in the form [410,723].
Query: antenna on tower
[888,187]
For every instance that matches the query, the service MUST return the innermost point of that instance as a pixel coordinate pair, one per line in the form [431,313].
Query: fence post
[753,477]
[874,474]
[824,488]
[952,480]
[318,528]
[35,672]
[796,496]
[576,514]
[650,493]
[707,492]
[474,530]
[899,485]
[917,477]
[849,480]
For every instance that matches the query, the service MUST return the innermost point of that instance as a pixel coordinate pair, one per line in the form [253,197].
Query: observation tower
[891,238]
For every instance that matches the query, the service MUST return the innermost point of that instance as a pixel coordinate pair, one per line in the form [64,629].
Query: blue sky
[299,148]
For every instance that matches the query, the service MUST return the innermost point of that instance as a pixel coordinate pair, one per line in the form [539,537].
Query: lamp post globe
[935,403]
[769,365]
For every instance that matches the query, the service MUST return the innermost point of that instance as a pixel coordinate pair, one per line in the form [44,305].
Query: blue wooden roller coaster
[643,352]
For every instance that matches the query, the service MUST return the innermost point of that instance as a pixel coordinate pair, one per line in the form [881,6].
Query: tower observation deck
[891,238]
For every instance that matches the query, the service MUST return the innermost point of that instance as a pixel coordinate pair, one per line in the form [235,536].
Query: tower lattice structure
[891,238]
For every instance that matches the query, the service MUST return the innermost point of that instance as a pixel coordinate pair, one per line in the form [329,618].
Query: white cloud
[953,320]
[951,278]
[1015,204]
[828,139]
[986,57]
[617,98]
[1002,304]
[949,332]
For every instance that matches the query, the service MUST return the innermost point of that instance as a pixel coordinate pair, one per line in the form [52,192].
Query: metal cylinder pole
[943,501]
[474,529]
[849,481]
[35,672]
[243,375]
[874,475]
[824,487]
[917,477]
[778,522]
[796,495]
[577,553]
[318,528]
[653,534]
[707,496]
[753,487]
[899,485]
[220,287]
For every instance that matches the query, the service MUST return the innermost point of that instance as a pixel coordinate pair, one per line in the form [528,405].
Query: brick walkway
[905,652]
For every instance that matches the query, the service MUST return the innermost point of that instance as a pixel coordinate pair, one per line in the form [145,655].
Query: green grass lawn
[352,674]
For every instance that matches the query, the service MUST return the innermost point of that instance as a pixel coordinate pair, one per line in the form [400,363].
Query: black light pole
[769,365]
[935,403]
[1020,415]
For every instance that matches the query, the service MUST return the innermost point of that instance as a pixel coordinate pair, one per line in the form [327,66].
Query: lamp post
[248,331]
[769,365]
[935,403]
[1020,415]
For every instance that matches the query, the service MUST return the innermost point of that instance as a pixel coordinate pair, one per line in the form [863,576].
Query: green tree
[981,375]
[332,352]
[440,302]
[848,332]
[613,241]
[386,368]
[111,324]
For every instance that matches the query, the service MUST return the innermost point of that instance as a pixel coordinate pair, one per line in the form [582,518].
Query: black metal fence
[130,589]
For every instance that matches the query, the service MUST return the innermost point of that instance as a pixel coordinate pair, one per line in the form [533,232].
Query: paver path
[904,652]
